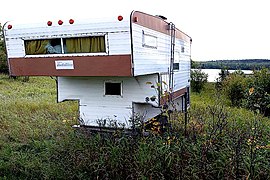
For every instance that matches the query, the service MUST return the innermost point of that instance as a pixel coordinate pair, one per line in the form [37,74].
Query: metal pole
[185,113]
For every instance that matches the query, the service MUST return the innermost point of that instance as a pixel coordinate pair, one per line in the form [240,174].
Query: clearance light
[60,22]
[49,23]
[136,19]
[120,18]
[71,21]
[9,26]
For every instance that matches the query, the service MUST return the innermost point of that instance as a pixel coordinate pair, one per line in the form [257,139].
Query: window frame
[113,95]
[62,45]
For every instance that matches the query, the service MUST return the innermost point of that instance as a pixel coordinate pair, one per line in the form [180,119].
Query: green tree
[3,57]
[224,72]
[198,80]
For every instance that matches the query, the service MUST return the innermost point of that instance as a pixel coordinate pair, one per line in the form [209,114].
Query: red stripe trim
[117,65]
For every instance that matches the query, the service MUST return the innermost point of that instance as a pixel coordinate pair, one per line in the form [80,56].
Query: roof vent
[162,17]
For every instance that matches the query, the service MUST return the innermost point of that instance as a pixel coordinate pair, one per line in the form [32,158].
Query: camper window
[149,40]
[175,66]
[113,88]
[182,49]
[44,46]
[93,44]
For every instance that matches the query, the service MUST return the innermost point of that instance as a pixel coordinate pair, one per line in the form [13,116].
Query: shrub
[198,80]
[258,93]
[234,87]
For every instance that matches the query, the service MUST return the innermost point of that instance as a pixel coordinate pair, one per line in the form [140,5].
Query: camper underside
[114,101]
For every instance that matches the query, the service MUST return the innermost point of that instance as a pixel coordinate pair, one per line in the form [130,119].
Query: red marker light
[136,19]
[49,23]
[120,18]
[60,22]
[9,26]
[71,21]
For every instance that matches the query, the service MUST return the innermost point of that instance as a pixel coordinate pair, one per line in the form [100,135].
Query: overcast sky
[220,29]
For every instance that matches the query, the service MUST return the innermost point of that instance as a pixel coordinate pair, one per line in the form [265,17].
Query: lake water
[213,74]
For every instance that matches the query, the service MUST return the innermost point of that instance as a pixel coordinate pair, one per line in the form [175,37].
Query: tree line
[243,64]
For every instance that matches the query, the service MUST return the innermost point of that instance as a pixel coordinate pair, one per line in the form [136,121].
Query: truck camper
[118,69]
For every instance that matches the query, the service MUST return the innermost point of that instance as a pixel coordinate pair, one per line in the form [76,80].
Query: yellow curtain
[86,44]
[36,47]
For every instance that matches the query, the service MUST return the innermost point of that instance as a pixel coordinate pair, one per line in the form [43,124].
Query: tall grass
[30,123]
[37,141]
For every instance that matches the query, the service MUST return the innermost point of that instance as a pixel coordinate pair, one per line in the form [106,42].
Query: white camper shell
[118,68]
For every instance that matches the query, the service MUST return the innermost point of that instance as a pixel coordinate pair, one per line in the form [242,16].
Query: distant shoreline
[244,64]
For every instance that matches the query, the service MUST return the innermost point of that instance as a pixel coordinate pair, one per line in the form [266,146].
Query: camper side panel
[152,60]
[152,44]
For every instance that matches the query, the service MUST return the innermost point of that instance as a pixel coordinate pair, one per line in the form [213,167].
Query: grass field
[37,141]
[29,111]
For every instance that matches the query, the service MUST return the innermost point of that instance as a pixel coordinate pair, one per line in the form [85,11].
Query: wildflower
[251,91]
[169,140]
[263,147]
[259,147]
[156,123]
[249,141]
